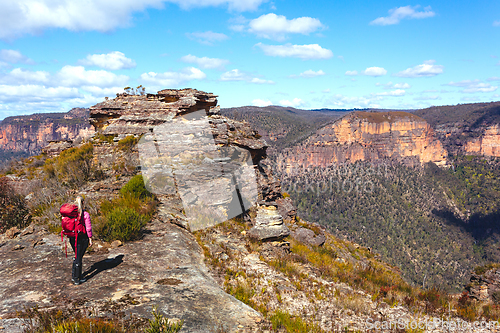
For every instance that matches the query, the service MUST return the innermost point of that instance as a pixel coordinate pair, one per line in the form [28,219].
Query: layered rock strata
[466,129]
[216,166]
[367,136]
[30,134]
[485,286]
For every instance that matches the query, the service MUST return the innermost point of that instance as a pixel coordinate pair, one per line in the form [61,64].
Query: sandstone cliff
[367,136]
[469,129]
[29,134]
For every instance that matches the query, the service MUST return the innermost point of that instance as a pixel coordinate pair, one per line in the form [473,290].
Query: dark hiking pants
[81,247]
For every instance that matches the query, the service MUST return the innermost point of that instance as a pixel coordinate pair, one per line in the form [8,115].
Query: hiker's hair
[80,203]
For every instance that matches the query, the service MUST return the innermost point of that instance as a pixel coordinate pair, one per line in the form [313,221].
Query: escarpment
[29,134]
[466,129]
[367,136]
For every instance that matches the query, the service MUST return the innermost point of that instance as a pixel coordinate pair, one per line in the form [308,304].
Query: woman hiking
[82,240]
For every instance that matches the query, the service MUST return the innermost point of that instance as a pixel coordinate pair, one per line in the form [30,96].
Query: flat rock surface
[165,269]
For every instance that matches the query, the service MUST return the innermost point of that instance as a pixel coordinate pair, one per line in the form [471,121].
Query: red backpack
[71,223]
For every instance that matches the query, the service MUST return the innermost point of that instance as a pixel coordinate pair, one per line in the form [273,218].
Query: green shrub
[135,187]
[122,223]
[160,324]
[480,270]
[74,165]
[283,320]
[127,143]
[124,217]
[436,300]
[105,138]
[13,211]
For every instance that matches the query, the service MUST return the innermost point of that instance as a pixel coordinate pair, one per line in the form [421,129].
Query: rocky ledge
[165,269]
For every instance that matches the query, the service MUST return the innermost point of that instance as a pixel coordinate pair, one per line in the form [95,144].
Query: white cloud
[33,16]
[207,37]
[375,71]
[470,99]
[173,79]
[400,13]
[23,76]
[310,73]
[427,98]
[496,23]
[305,52]
[473,86]
[35,93]
[276,27]
[397,92]
[237,75]
[351,73]
[233,5]
[295,103]
[112,61]
[233,75]
[204,62]
[341,101]
[390,85]
[260,81]
[402,86]
[14,57]
[261,102]
[102,92]
[76,76]
[427,69]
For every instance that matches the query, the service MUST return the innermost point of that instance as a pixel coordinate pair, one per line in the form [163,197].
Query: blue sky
[59,54]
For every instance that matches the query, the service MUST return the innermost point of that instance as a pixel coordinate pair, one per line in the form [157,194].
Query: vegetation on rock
[124,217]
[13,210]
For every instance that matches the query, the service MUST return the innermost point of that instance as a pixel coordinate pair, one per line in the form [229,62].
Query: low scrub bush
[243,292]
[73,320]
[283,320]
[13,210]
[480,270]
[436,300]
[73,166]
[127,143]
[160,324]
[122,223]
[135,187]
[124,218]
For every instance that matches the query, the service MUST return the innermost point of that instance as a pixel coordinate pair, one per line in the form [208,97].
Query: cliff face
[368,136]
[469,129]
[31,133]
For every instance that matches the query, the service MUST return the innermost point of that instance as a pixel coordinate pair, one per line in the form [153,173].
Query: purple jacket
[88,224]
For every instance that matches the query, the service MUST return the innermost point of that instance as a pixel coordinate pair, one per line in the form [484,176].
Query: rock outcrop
[199,132]
[466,129]
[29,134]
[367,136]
[486,286]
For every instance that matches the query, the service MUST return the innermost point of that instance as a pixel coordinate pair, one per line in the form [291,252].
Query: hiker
[84,239]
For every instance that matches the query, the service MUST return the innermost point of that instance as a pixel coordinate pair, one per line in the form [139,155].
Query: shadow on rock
[102,266]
